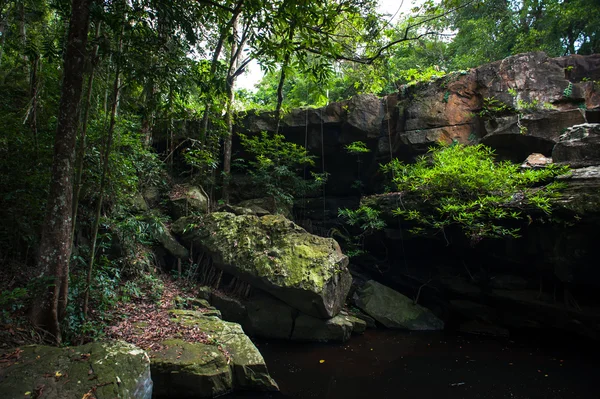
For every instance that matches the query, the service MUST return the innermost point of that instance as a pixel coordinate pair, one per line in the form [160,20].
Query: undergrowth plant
[367,219]
[458,185]
[357,148]
[276,166]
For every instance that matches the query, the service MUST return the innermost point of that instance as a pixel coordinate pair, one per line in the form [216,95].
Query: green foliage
[12,301]
[494,108]
[463,186]
[446,97]
[357,147]
[568,92]
[202,158]
[276,165]
[365,217]
[413,75]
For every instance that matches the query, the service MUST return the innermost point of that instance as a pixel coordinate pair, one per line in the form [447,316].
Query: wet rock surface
[394,310]
[226,361]
[109,369]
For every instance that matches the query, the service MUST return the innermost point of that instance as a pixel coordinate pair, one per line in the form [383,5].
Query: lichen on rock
[306,271]
[107,369]
[227,361]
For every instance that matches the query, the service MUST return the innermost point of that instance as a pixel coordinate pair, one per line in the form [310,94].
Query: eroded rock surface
[104,369]
[186,200]
[307,272]
[227,361]
[394,310]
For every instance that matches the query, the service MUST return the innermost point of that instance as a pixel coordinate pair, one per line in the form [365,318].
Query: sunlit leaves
[464,186]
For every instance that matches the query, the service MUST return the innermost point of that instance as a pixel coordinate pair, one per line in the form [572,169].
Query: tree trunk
[148,116]
[105,167]
[33,91]
[84,126]
[213,70]
[55,245]
[286,62]
[215,61]
[280,91]
[2,38]
[231,77]
[22,31]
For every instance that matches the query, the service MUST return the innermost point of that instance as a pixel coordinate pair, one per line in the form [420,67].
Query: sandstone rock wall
[540,98]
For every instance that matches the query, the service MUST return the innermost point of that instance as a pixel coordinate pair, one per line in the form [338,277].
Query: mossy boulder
[268,204]
[394,310]
[359,326]
[272,253]
[308,328]
[187,200]
[183,369]
[225,361]
[104,369]
[166,239]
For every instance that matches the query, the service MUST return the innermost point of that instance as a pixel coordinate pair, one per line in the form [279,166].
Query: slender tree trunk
[231,77]
[49,306]
[34,85]
[284,66]
[148,117]
[84,127]
[213,70]
[215,61]
[286,62]
[22,31]
[103,179]
[2,38]
[171,131]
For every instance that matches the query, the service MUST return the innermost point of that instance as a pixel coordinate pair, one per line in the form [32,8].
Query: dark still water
[404,365]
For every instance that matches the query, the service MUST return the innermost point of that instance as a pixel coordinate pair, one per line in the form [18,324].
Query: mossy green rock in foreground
[394,310]
[307,272]
[106,369]
[228,361]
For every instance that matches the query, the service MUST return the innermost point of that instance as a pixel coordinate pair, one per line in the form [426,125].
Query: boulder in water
[394,310]
[227,361]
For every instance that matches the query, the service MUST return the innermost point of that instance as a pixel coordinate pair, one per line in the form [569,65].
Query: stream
[393,364]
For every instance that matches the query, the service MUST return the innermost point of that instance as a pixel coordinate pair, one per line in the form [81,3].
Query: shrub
[457,185]
[277,164]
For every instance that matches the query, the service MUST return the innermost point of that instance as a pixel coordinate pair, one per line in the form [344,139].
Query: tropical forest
[299,199]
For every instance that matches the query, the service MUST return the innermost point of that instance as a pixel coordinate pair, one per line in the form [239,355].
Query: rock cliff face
[521,105]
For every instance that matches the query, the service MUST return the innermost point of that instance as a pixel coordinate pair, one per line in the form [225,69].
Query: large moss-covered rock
[183,369]
[104,369]
[394,310]
[228,360]
[307,272]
